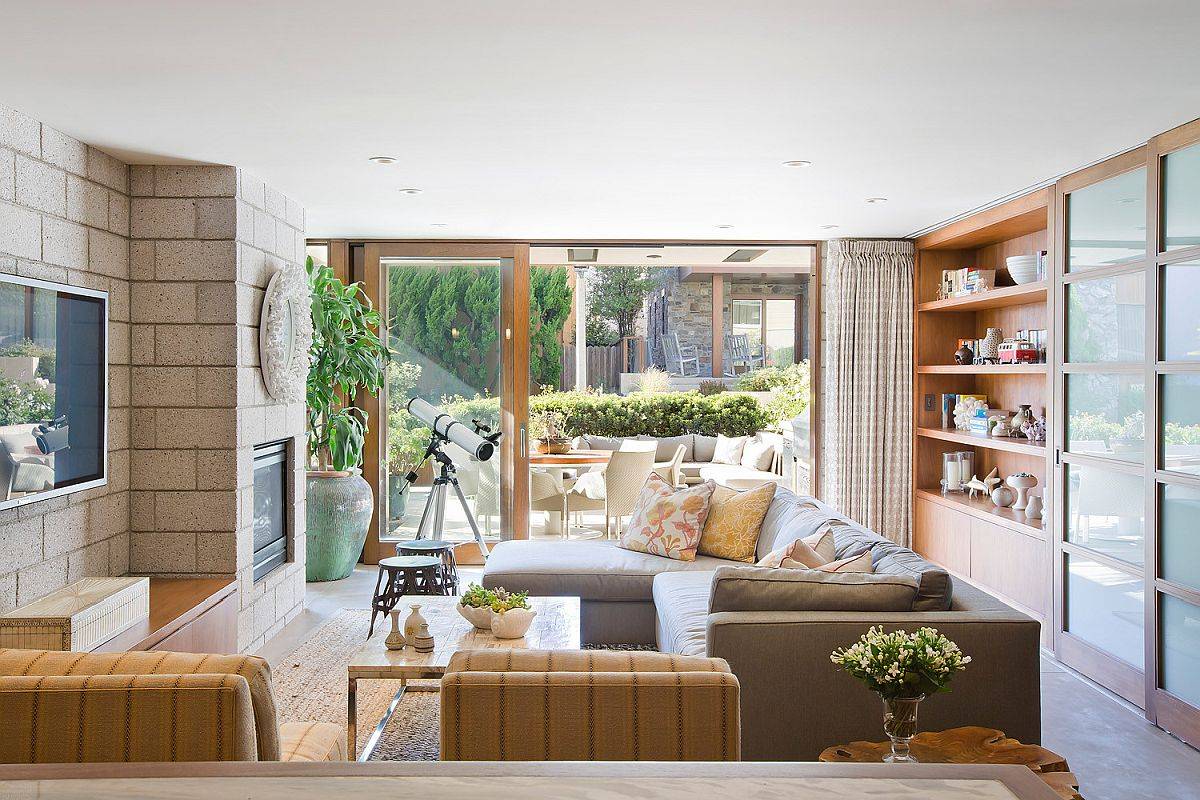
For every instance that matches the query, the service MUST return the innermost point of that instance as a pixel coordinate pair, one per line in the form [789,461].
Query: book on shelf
[966,281]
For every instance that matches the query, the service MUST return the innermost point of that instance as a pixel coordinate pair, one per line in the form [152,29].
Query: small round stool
[401,575]
[448,572]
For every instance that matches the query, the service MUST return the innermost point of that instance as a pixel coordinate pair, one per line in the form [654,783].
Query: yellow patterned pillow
[735,521]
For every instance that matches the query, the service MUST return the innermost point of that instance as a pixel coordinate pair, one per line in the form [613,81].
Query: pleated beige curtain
[867,385]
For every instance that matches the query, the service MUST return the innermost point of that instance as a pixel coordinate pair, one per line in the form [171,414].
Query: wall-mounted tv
[53,389]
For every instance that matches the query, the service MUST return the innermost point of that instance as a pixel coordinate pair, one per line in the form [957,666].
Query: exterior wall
[759,289]
[206,240]
[64,216]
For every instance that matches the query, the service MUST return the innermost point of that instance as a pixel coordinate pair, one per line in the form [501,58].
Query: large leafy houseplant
[347,356]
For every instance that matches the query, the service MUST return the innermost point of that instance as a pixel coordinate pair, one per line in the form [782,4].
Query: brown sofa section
[545,705]
[65,707]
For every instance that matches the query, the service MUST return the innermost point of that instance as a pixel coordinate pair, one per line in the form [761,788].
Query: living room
[365,413]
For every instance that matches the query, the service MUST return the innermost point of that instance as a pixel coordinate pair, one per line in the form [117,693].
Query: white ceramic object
[480,617]
[1003,497]
[395,640]
[1022,269]
[1033,507]
[1021,483]
[512,624]
[989,346]
[414,622]
[285,334]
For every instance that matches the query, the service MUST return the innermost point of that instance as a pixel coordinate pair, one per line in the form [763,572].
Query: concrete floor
[1113,751]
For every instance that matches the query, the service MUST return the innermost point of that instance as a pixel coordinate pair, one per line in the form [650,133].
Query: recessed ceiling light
[798,163]
[724,226]
[411,190]
[437,224]
[653,255]
[743,255]
[382,159]
[828,227]
[874,200]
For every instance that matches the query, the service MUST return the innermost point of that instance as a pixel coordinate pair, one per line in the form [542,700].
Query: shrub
[711,387]
[667,414]
[46,356]
[789,386]
[21,403]
[653,380]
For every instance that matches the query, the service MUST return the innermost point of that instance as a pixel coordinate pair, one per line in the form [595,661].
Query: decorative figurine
[395,640]
[414,622]
[1022,482]
[1035,431]
[964,354]
[1023,417]
[965,408]
[423,641]
[1000,427]
[989,346]
[992,480]
[975,485]
[1003,497]
[1017,351]
[1033,507]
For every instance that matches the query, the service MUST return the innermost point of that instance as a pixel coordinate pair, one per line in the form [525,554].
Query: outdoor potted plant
[902,669]
[547,427]
[347,357]
[476,606]
[511,614]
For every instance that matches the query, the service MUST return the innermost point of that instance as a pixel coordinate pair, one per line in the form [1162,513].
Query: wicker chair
[671,471]
[614,490]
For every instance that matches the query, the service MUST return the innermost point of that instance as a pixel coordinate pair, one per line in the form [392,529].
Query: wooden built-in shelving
[996,548]
[1009,444]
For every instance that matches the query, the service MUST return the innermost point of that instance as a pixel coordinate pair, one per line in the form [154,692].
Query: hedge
[667,414]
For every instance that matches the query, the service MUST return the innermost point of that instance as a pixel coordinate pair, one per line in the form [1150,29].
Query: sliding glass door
[449,312]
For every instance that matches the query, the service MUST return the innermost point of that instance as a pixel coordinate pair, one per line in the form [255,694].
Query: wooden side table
[968,745]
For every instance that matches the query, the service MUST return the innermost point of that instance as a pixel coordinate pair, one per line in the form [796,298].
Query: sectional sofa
[777,638]
[762,464]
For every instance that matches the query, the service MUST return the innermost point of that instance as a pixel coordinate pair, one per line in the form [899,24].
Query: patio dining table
[561,462]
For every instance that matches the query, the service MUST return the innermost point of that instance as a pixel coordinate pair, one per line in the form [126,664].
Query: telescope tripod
[434,516]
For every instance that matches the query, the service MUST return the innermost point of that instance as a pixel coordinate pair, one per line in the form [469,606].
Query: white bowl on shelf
[1022,269]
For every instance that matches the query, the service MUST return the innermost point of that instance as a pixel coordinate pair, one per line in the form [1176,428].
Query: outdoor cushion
[734,520]
[721,473]
[729,449]
[590,570]
[764,589]
[602,442]
[667,446]
[667,521]
[703,448]
[757,454]
[681,603]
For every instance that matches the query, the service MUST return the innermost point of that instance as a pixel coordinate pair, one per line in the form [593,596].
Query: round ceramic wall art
[285,335]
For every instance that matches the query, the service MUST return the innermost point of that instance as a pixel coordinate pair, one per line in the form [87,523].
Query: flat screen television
[53,389]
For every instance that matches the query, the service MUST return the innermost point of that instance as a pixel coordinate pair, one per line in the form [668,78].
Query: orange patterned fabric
[255,671]
[312,741]
[734,522]
[589,706]
[54,719]
[666,521]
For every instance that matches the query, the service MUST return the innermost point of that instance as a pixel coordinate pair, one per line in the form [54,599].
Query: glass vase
[900,725]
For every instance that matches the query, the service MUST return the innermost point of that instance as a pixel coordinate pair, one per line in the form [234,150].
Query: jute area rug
[310,686]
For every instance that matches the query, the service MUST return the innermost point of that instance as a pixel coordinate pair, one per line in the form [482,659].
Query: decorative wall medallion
[285,335]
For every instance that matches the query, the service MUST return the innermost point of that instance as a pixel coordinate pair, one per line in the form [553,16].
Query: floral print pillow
[667,521]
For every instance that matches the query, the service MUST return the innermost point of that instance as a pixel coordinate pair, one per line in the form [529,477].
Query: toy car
[1017,351]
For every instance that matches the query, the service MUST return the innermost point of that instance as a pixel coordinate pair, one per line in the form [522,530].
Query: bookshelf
[996,548]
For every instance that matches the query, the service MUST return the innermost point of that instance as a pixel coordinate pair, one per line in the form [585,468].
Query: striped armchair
[591,705]
[62,707]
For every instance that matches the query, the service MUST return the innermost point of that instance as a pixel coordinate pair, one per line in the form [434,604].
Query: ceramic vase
[1033,507]
[989,346]
[1021,484]
[413,624]
[423,640]
[1023,417]
[512,624]
[1003,497]
[480,617]
[395,640]
[338,509]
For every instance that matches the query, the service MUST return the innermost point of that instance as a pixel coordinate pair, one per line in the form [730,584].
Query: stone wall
[205,242]
[64,217]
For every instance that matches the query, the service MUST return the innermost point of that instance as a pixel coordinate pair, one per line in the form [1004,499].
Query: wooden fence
[605,364]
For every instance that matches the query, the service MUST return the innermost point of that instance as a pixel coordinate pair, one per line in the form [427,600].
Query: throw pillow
[729,449]
[818,547]
[703,448]
[666,521]
[734,522]
[858,563]
[757,454]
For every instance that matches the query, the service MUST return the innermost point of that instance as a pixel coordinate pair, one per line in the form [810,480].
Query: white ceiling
[799,259]
[622,119]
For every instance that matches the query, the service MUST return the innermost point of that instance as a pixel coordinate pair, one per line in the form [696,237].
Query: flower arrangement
[498,599]
[900,664]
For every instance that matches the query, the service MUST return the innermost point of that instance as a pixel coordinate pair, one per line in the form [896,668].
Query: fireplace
[271,508]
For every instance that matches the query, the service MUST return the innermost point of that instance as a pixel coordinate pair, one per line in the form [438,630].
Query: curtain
[867,383]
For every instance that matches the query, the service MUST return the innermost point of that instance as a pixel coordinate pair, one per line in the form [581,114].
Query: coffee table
[556,627]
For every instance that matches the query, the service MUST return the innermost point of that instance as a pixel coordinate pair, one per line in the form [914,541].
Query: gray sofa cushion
[789,518]
[681,604]
[602,442]
[704,448]
[936,586]
[767,589]
[667,446]
[589,570]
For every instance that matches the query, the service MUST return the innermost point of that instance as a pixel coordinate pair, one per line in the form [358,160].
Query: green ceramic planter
[397,497]
[339,514]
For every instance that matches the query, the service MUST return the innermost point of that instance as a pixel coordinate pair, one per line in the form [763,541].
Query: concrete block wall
[64,217]
[205,241]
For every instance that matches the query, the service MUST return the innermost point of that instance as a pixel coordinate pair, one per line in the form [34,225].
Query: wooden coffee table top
[556,627]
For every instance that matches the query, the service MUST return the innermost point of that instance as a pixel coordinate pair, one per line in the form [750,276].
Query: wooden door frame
[514,380]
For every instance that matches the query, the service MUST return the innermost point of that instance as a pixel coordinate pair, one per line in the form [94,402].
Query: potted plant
[511,614]
[902,669]
[347,357]
[547,427]
[405,448]
[476,606]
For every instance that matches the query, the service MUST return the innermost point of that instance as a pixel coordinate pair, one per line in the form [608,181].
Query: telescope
[448,429]
[480,443]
